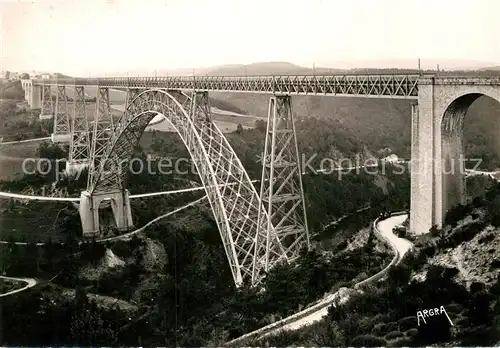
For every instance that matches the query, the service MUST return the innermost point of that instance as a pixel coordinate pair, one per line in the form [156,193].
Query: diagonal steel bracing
[240,200]
[132,93]
[102,131]
[281,192]
[47,104]
[80,144]
[235,207]
[62,116]
[382,86]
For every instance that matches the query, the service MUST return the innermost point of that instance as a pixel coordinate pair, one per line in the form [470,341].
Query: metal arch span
[235,207]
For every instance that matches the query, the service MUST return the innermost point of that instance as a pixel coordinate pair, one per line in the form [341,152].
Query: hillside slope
[456,268]
[266,68]
[383,123]
[380,122]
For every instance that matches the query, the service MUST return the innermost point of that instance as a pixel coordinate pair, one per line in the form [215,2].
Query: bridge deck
[378,86]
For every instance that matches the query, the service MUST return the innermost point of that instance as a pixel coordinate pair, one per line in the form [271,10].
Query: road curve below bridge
[30,282]
[383,229]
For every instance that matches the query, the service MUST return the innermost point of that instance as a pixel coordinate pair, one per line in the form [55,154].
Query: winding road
[315,313]
[30,282]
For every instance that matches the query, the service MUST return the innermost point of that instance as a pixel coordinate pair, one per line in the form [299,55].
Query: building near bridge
[391,158]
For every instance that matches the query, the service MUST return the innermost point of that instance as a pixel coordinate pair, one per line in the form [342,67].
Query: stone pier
[89,211]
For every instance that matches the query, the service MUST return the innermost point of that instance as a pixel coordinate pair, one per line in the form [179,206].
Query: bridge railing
[383,85]
[146,81]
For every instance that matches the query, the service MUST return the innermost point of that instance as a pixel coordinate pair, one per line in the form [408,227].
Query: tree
[87,325]
[261,125]
[239,128]
[434,231]
[25,76]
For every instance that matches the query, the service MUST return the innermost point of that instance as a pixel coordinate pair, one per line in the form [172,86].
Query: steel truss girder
[61,116]
[132,93]
[235,207]
[47,104]
[80,145]
[102,132]
[281,192]
[390,86]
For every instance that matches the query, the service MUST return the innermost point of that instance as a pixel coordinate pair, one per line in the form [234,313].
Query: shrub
[407,323]
[450,272]
[495,220]
[479,311]
[495,264]
[326,334]
[394,334]
[467,232]
[368,341]
[487,238]
[478,201]
[411,333]
[379,329]
[401,342]
[476,287]
[434,231]
[392,326]
[281,339]
[494,205]
[457,213]
[429,251]
[121,249]
[454,308]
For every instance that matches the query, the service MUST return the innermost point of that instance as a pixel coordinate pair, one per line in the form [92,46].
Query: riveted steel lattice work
[382,86]
[132,93]
[47,104]
[62,116]
[281,192]
[80,143]
[235,206]
[101,133]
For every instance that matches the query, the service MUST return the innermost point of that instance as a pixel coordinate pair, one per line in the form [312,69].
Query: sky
[82,37]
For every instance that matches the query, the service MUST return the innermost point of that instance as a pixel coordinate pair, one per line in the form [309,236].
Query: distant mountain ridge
[267,68]
[338,67]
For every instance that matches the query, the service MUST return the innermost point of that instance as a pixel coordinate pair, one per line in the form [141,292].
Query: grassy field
[12,157]
[18,122]
[226,121]
[31,221]
[7,285]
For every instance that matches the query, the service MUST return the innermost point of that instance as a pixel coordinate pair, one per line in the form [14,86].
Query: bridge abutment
[438,162]
[89,211]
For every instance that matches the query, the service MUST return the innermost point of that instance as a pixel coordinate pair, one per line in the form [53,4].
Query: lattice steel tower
[281,192]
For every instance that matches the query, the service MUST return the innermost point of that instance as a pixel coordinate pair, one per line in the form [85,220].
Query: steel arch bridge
[258,229]
[235,207]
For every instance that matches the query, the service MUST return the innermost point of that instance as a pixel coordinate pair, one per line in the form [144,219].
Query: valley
[169,283]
